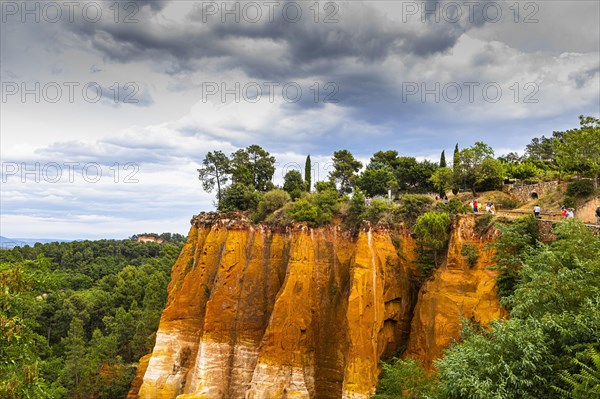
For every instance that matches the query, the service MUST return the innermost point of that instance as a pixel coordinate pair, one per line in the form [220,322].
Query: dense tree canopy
[75,317]
[377,179]
[253,167]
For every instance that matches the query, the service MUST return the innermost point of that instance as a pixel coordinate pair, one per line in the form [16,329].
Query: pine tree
[75,355]
[307,173]
[443,159]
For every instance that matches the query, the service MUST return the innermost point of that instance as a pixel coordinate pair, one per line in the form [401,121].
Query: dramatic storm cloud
[108,108]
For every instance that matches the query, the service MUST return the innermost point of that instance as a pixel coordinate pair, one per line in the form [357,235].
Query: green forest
[76,317]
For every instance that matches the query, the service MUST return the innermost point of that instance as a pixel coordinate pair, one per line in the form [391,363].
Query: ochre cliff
[263,313]
[458,291]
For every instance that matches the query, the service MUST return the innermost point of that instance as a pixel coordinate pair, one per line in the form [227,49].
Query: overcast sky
[139,91]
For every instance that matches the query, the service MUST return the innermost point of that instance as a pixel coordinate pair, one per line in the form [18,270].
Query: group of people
[567,212]
[489,207]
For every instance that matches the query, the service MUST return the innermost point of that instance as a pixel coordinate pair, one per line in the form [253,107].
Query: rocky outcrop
[263,313]
[587,212]
[458,292]
[139,377]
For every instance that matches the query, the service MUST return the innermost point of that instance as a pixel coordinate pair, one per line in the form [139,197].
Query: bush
[315,209]
[453,207]
[280,217]
[471,254]
[269,203]
[303,210]
[506,203]
[405,379]
[517,238]
[377,209]
[569,202]
[414,205]
[433,230]
[483,224]
[355,210]
[239,197]
[580,188]
[328,200]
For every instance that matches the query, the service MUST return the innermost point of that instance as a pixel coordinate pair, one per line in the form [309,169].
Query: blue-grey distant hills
[8,243]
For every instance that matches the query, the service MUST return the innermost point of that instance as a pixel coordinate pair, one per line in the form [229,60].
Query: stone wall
[527,192]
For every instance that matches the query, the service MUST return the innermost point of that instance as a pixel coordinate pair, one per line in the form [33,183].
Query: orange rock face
[457,292]
[304,313]
[139,377]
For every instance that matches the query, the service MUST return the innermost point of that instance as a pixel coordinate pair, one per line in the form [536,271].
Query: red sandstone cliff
[305,313]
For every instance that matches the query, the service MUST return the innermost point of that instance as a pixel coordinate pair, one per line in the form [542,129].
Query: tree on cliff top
[307,173]
[443,159]
[214,172]
[477,167]
[345,169]
[579,149]
[376,179]
[253,166]
[294,184]
[456,170]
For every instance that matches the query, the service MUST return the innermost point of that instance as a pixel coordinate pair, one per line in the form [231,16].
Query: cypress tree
[307,172]
[443,159]
[456,169]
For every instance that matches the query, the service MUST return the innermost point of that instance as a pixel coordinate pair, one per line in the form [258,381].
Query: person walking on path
[536,211]
[570,214]
[563,212]
[475,209]
[598,215]
[492,209]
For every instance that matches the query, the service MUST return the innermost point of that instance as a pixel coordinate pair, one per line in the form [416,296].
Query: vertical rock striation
[457,292]
[263,313]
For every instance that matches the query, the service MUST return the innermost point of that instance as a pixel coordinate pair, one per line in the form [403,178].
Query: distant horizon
[62,239]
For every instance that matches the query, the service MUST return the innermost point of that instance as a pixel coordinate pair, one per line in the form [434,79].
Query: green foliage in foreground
[517,239]
[548,348]
[405,379]
[580,188]
[75,317]
[586,383]
[555,317]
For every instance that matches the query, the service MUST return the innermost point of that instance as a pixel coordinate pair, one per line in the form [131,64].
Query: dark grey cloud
[300,48]
[587,77]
